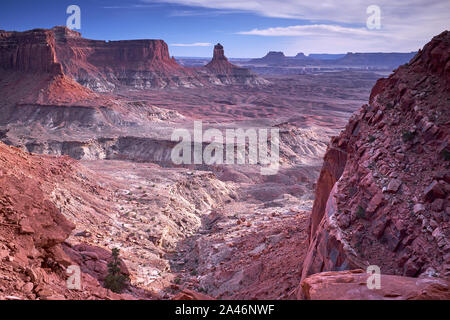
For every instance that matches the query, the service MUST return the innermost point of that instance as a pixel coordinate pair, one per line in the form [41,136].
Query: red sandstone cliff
[111,65]
[30,71]
[383,193]
[31,51]
[105,65]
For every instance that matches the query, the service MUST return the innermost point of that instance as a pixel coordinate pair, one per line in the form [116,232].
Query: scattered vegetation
[371,139]
[115,281]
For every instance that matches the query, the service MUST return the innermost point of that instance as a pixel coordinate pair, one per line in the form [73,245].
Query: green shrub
[116,281]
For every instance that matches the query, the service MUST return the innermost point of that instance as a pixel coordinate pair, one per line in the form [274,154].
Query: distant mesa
[275,55]
[300,55]
[391,59]
[326,56]
[271,57]
[359,60]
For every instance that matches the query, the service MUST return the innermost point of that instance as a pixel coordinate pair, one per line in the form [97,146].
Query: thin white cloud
[405,25]
[195,44]
[348,11]
[197,13]
[308,30]
[134,6]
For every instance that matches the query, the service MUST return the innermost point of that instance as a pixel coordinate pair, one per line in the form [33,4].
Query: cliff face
[104,66]
[383,193]
[31,51]
[30,71]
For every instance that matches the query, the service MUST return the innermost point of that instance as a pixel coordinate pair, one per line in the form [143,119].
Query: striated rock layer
[105,66]
[383,193]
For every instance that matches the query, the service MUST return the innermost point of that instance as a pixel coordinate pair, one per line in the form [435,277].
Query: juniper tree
[116,281]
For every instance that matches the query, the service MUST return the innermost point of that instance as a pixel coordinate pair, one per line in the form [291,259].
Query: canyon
[86,147]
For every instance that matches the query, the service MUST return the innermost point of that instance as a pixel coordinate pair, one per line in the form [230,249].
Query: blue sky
[245,28]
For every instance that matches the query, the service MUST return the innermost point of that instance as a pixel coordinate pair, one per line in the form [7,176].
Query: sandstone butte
[381,199]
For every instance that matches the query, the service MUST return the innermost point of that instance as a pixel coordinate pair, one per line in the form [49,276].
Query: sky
[246,29]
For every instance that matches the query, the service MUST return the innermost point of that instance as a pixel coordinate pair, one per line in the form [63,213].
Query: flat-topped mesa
[107,65]
[272,57]
[275,55]
[96,64]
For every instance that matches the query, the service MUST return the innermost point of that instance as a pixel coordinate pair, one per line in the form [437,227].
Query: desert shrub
[115,281]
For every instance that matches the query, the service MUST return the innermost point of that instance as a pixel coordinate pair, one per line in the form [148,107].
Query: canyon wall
[383,193]
[31,51]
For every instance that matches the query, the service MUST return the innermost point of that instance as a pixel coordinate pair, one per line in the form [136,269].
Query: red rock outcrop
[105,65]
[30,71]
[352,285]
[31,51]
[187,294]
[32,232]
[383,193]
[228,73]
